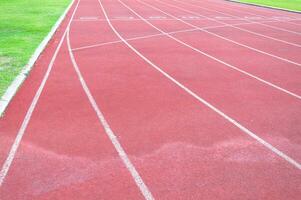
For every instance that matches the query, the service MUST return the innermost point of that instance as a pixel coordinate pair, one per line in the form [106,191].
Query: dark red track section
[181,148]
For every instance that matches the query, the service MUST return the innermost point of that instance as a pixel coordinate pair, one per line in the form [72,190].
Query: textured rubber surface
[180,147]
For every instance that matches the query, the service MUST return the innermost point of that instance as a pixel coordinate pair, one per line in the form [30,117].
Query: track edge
[264,6]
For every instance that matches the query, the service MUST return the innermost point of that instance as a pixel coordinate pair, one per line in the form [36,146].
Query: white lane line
[252,18]
[16,144]
[93,18]
[218,60]
[95,45]
[273,27]
[157,17]
[228,118]
[121,152]
[229,40]
[156,35]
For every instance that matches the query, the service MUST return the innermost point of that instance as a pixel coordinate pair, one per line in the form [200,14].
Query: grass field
[23,25]
[287,4]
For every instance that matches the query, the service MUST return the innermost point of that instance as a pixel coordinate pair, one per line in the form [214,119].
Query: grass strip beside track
[23,26]
[285,4]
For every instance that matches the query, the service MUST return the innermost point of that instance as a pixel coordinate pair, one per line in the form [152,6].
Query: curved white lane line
[244,30]
[220,61]
[240,28]
[6,166]
[159,34]
[228,118]
[229,40]
[121,152]
[273,27]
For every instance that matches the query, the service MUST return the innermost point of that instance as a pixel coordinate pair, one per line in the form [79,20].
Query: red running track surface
[166,99]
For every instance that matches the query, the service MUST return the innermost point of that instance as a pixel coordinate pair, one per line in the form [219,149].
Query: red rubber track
[181,148]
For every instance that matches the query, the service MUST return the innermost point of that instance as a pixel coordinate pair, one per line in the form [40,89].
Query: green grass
[23,26]
[287,4]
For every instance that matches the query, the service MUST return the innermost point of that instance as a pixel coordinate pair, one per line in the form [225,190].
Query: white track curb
[13,88]
[265,6]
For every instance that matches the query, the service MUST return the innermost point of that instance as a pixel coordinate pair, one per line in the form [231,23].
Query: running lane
[254,104]
[181,148]
[65,153]
[268,67]
[14,115]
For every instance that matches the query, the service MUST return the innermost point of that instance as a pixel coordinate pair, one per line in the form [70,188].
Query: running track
[164,99]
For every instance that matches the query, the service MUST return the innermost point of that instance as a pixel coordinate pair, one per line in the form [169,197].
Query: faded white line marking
[89,18]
